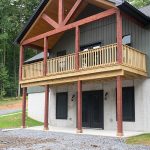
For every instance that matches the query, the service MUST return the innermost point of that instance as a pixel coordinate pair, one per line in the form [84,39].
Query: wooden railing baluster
[103,56]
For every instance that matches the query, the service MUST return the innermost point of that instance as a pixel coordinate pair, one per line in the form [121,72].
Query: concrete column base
[79,131]
[120,134]
[23,127]
[46,129]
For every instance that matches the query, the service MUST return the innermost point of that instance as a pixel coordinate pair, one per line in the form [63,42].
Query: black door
[92,111]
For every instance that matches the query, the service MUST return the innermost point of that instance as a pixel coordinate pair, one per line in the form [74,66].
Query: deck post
[119,36]
[24,107]
[77,47]
[119,78]
[60,11]
[79,100]
[21,61]
[45,55]
[46,110]
[119,107]
[79,108]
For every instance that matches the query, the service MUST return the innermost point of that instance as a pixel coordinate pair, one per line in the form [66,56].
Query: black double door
[92,109]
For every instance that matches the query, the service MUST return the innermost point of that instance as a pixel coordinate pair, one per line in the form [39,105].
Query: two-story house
[93,65]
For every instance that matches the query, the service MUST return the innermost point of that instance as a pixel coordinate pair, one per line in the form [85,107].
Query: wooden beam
[60,11]
[72,11]
[24,107]
[46,110]
[34,47]
[45,55]
[79,108]
[90,74]
[105,4]
[21,61]
[38,18]
[81,22]
[77,47]
[80,9]
[119,36]
[119,107]
[50,21]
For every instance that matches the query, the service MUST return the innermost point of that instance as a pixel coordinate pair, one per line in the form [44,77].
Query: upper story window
[126,40]
[62,61]
[94,45]
[61,53]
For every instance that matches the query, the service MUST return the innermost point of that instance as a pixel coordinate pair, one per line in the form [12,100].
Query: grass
[143,139]
[14,121]
[9,101]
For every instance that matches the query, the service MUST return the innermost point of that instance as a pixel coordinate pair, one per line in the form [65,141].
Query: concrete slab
[87,131]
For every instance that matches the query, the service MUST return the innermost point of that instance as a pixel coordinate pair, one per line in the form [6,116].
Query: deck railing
[134,58]
[100,57]
[61,64]
[33,70]
[103,56]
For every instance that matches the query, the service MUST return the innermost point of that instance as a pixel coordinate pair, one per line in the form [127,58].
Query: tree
[13,15]
[4,83]
[139,3]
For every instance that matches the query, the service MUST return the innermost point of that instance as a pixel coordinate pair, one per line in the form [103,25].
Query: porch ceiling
[40,26]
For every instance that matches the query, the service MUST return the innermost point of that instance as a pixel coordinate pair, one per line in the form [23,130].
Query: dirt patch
[17,105]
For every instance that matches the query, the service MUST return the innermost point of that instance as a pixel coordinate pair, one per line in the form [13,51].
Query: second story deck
[100,63]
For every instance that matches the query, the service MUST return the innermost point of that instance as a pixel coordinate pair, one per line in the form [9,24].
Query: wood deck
[100,63]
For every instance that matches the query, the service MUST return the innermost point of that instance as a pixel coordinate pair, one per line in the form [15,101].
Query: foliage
[4,83]
[13,15]
[143,139]
[14,121]
[7,101]
[139,3]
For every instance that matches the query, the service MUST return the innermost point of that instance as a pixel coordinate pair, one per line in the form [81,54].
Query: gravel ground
[40,140]
[5,112]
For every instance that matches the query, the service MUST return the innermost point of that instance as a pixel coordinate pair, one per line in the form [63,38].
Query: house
[94,66]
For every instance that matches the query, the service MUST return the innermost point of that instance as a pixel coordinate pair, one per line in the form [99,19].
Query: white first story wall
[142,104]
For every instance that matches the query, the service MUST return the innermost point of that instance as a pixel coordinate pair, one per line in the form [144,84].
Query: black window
[126,40]
[61,53]
[61,105]
[128,104]
[90,46]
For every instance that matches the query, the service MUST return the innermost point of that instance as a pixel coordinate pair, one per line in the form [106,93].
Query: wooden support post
[45,55]
[77,47]
[46,111]
[79,108]
[24,107]
[119,36]
[21,62]
[119,107]
[61,11]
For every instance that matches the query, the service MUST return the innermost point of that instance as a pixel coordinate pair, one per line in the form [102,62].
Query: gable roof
[134,12]
[124,6]
[31,20]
